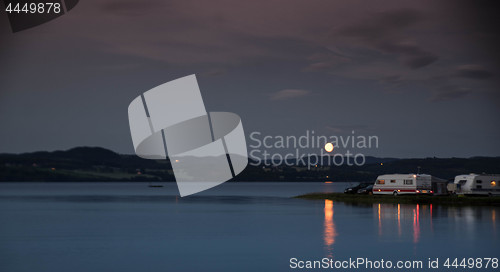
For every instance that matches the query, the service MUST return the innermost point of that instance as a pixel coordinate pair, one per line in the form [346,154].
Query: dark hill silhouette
[100,164]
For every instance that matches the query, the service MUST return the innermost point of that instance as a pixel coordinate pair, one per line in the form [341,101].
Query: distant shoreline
[410,199]
[170,181]
[87,164]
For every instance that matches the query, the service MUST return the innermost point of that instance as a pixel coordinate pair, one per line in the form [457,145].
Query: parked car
[353,190]
[368,190]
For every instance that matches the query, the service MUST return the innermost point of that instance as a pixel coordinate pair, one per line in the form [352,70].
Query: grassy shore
[407,199]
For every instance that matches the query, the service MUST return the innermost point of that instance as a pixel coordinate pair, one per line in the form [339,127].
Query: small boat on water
[152,185]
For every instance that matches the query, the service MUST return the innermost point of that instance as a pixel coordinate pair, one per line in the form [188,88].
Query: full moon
[329,147]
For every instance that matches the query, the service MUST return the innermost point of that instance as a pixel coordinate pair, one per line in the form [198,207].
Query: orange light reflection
[379,222]
[493,220]
[416,225]
[399,220]
[432,227]
[330,231]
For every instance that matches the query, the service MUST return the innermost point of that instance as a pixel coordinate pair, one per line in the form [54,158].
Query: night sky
[421,75]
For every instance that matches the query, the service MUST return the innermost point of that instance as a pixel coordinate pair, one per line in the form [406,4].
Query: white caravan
[474,184]
[399,184]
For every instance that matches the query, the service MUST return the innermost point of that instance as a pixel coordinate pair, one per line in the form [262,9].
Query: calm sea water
[233,227]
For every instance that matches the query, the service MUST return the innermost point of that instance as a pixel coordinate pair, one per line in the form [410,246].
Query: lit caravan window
[479,181]
[493,183]
[393,181]
[380,181]
[408,181]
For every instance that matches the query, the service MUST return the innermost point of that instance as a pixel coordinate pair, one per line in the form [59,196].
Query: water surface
[233,227]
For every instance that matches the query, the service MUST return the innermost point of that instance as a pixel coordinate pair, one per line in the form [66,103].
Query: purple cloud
[288,94]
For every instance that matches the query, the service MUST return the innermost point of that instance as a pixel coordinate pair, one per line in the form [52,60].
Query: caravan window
[393,181]
[380,181]
[408,181]
[479,186]
[479,181]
